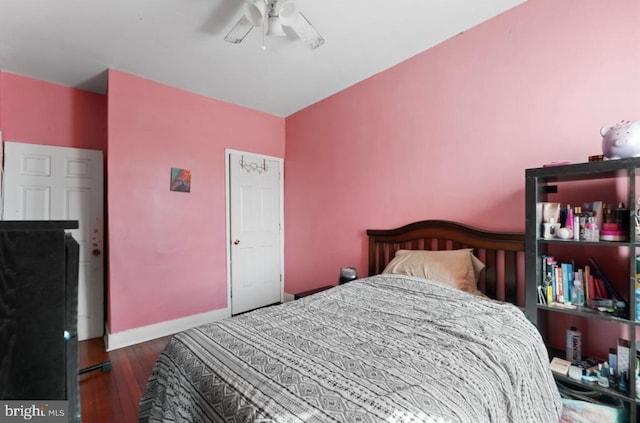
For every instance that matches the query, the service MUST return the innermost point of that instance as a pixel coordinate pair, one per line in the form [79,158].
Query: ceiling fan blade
[307,33]
[239,31]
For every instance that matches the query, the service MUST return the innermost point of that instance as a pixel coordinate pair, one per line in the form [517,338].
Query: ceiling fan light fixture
[272,15]
[288,13]
[274,27]
[254,11]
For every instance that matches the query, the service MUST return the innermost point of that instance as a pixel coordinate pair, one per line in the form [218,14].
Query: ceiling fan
[273,15]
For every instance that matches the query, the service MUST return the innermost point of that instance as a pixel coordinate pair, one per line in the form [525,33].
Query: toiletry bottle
[582,218]
[613,359]
[550,229]
[591,231]
[576,223]
[607,213]
[588,226]
[574,345]
[577,293]
[568,221]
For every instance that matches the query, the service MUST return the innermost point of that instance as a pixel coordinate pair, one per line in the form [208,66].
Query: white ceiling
[180,43]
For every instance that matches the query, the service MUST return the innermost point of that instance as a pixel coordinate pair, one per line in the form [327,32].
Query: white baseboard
[288,297]
[113,341]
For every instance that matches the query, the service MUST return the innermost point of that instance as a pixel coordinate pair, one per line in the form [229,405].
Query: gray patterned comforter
[387,348]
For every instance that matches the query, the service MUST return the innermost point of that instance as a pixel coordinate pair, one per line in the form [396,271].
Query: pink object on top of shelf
[621,140]
[560,163]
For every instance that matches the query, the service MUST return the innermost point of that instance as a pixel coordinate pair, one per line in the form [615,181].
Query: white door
[58,183]
[255,234]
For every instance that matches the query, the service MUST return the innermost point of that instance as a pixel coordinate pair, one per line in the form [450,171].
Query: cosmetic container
[568,221]
[591,231]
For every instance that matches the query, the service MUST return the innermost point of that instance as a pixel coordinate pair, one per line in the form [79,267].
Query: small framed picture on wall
[180,180]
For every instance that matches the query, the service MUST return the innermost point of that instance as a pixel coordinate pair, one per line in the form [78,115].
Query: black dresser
[38,312]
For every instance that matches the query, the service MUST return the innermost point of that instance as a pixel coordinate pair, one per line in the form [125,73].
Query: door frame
[227,175]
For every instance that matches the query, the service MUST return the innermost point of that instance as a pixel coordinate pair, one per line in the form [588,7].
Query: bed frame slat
[491,275]
[511,284]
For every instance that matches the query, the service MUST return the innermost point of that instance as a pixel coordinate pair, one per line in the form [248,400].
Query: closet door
[59,183]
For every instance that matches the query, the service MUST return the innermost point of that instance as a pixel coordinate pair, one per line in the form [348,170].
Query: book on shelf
[588,287]
[611,290]
[557,282]
[567,281]
[546,265]
[600,289]
[547,279]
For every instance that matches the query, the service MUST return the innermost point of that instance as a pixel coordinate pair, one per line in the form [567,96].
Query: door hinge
[280,277]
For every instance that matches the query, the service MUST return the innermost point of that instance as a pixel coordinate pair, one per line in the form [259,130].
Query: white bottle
[577,293]
[574,345]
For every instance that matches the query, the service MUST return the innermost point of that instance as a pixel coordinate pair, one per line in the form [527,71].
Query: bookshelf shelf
[611,182]
[593,386]
[585,243]
[587,312]
[614,392]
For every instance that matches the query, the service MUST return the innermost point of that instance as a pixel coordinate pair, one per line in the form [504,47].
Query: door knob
[236,242]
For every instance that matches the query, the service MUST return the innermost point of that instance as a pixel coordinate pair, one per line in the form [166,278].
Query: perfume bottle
[582,223]
[591,231]
[578,224]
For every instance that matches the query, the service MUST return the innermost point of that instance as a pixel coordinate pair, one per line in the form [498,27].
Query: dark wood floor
[113,396]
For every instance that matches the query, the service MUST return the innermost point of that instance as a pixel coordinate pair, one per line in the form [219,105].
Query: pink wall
[448,133]
[38,112]
[168,249]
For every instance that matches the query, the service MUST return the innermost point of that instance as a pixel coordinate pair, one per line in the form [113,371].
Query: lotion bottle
[574,345]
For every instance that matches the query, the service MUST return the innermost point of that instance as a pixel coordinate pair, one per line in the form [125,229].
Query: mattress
[387,348]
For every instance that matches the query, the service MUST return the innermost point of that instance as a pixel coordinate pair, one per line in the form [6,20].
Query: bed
[391,347]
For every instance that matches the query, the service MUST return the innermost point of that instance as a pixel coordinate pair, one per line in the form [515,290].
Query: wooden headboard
[501,252]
